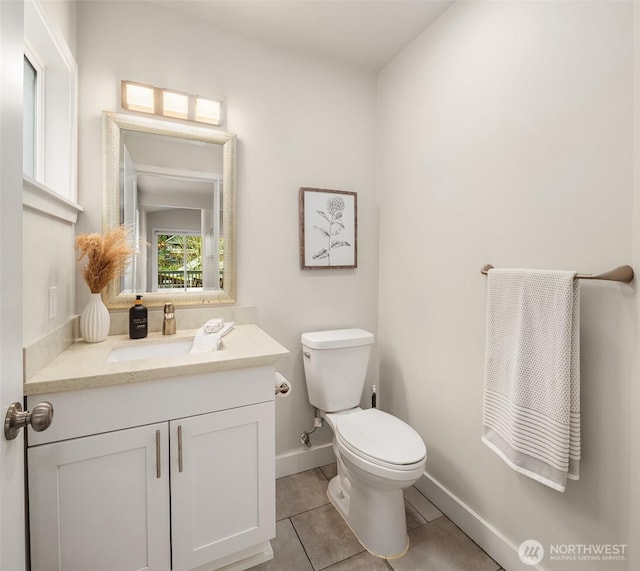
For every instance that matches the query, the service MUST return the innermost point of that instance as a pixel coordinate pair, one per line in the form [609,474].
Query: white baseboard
[499,547]
[301,459]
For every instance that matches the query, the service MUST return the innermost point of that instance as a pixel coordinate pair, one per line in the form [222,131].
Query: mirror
[173,186]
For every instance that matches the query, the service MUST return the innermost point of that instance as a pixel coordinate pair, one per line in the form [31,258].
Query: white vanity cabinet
[177,473]
[98,504]
[220,504]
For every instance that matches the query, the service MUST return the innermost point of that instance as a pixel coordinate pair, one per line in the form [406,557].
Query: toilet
[377,454]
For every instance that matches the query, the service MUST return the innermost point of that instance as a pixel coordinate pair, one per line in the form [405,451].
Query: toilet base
[376,517]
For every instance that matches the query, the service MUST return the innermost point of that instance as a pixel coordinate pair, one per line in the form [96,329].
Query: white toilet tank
[335,367]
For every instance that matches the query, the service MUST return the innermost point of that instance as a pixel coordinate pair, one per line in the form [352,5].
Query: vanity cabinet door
[222,484]
[101,503]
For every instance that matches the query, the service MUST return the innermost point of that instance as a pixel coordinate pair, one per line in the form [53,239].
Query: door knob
[40,418]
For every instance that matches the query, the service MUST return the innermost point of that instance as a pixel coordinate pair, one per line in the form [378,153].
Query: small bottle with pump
[138,320]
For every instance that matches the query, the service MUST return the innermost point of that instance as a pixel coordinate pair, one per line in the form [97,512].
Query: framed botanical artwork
[328,229]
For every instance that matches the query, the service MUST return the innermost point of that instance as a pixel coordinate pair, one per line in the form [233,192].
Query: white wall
[63,16]
[301,121]
[174,219]
[507,138]
[48,251]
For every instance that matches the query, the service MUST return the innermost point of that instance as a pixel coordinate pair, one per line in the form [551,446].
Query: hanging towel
[531,413]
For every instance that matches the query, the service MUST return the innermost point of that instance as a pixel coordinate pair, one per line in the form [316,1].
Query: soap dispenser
[138,320]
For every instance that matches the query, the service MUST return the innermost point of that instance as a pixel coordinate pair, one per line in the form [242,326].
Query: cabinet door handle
[180,449]
[158,468]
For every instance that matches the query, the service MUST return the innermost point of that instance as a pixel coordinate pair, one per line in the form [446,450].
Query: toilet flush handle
[307,354]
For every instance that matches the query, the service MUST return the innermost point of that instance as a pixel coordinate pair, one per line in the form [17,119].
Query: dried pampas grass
[107,257]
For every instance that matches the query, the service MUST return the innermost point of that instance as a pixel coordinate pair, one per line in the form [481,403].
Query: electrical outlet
[53,302]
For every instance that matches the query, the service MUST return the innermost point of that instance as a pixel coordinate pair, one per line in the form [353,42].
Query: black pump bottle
[138,320]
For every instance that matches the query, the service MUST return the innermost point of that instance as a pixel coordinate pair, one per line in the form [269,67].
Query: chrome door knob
[40,418]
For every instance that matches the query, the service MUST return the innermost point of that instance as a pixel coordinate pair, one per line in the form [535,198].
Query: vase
[95,320]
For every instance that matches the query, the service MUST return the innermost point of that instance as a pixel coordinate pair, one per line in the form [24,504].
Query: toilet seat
[380,438]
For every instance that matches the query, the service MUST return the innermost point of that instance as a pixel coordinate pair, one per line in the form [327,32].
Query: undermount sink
[150,350]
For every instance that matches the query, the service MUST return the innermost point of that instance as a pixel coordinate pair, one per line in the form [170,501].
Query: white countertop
[84,365]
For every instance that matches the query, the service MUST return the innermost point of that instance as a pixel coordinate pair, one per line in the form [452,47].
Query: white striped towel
[531,413]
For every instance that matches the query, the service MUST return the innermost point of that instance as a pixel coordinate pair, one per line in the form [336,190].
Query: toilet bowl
[377,454]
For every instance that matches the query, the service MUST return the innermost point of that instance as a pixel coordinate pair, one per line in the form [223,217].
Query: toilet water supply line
[318,421]
[283,390]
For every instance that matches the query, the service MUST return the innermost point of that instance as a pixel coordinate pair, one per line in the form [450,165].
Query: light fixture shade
[209,111]
[175,104]
[145,98]
[138,97]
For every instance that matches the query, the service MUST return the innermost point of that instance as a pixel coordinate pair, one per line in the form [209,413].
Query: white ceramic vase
[95,320]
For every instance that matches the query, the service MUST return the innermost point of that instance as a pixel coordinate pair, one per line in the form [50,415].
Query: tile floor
[311,535]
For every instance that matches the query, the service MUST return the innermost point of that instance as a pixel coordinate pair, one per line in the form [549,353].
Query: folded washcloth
[213,325]
[531,414]
[209,336]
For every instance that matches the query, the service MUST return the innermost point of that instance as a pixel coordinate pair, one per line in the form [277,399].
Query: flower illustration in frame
[328,229]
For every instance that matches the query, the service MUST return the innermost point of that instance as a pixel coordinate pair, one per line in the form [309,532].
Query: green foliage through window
[179,261]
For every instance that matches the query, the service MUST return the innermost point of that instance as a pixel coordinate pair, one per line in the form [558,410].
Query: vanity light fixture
[208,111]
[170,103]
[175,104]
[138,97]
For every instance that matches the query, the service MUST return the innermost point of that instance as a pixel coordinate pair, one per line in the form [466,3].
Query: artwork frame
[328,229]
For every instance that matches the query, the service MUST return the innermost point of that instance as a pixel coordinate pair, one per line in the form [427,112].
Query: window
[50,116]
[30,120]
[179,261]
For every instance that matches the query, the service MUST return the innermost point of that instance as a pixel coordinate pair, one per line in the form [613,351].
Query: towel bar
[622,274]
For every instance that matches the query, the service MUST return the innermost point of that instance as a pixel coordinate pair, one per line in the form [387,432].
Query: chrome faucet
[169,322]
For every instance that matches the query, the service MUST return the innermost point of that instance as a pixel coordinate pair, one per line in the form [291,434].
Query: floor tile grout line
[476,544]
[352,557]
[301,544]
[416,508]
[322,472]
[423,516]
[303,511]
[420,513]
[363,550]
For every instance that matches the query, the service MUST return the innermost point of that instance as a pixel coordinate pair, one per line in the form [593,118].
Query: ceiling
[368,33]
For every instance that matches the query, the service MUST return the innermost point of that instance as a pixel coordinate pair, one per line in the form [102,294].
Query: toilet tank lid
[337,338]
